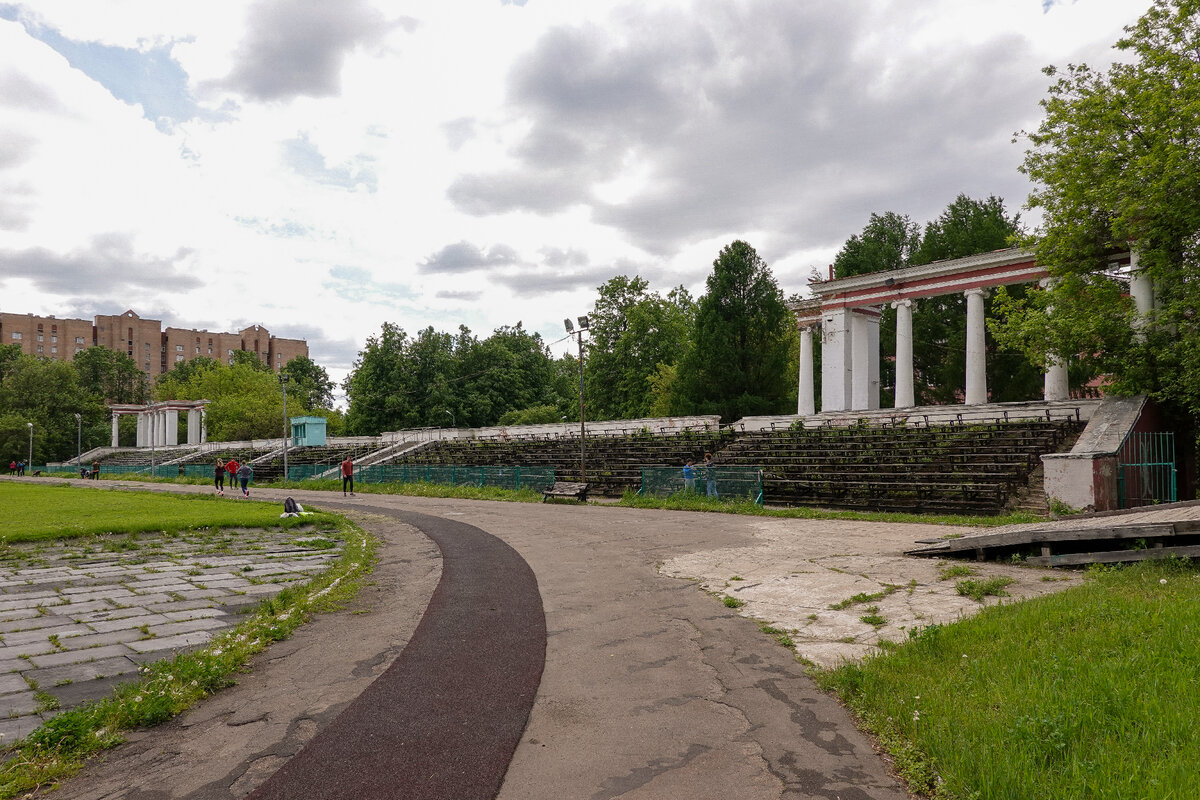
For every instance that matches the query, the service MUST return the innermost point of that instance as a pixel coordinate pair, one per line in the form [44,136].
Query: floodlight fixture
[567,324]
[583,323]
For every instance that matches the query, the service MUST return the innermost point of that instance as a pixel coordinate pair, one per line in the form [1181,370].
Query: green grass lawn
[1093,692]
[29,512]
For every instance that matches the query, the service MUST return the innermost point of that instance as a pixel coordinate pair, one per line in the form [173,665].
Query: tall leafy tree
[633,331]
[245,401]
[379,385]
[111,375]
[309,383]
[739,363]
[1116,164]
[48,394]
[887,242]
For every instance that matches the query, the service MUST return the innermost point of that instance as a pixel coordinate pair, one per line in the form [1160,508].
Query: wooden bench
[566,489]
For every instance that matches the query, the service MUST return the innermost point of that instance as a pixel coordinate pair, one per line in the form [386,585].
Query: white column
[171,427]
[1056,385]
[904,354]
[115,430]
[203,426]
[160,428]
[976,349]
[142,439]
[1141,289]
[806,402]
[193,426]
[836,373]
[860,363]
[873,360]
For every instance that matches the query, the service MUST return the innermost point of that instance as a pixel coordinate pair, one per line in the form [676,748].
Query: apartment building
[155,349]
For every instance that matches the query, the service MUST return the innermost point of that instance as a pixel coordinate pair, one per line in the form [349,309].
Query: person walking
[231,468]
[12,468]
[20,467]
[245,473]
[689,477]
[95,470]
[710,476]
[348,476]
[219,476]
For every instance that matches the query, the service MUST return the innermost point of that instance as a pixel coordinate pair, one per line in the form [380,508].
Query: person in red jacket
[347,476]
[231,468]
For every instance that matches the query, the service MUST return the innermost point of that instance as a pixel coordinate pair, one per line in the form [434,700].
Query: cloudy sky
[323,167]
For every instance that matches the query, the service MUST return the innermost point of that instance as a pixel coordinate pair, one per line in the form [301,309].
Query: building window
[39,348]
[39,337]
[178,348]
[78,350]
[231,353]
[53,349]
[210,350]
[78,340]
[54,338]
[178,359]
[16,335]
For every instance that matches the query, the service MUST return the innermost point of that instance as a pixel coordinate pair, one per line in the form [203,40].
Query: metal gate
[1146,472]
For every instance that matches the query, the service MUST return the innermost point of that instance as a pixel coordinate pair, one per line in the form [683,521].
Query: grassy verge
[59,747]
[58,510]
[696,502]
[1091,692]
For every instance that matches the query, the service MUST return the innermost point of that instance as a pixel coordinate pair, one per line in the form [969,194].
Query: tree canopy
[739,362]
[1116,165]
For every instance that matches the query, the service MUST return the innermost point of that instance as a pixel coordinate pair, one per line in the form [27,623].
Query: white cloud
[487,162]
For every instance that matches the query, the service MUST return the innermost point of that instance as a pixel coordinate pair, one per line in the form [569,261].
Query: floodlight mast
[583,326]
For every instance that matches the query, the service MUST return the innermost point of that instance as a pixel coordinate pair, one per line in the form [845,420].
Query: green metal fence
[728,482]
[536,478]
[1146,472]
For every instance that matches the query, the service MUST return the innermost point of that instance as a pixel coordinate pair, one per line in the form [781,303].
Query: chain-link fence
[536,478]
[728,482]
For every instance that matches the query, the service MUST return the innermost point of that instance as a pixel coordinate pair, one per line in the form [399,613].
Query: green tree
[309,383]
[1116,165]
[740,359]
[111,375]
[244,400]
[47,393]
[632,332]
[887,242]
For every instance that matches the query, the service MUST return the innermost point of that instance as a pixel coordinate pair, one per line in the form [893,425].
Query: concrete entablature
[847,311]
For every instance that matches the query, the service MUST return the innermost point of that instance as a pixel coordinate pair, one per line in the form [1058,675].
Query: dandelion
[916,715]
[1162,580]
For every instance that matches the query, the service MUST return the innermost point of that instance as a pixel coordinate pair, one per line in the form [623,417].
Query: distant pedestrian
[95,470]
[348,476]
[231,468]
[219,476]
[21,467]
[12,468]
[689,477]
[245,474]
[710,476]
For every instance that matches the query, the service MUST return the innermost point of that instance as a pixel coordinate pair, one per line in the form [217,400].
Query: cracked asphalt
[651,687]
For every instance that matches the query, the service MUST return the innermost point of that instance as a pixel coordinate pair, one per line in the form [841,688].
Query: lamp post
[78,440]
[453,419]
[283,380]
[583,326]
[29,463]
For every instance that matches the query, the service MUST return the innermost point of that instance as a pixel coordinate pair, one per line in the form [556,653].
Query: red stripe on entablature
[1022,272]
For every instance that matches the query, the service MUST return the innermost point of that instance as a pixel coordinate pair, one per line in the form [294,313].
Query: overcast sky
[323,167]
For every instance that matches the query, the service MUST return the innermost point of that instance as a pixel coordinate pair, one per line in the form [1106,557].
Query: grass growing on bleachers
[1090,692]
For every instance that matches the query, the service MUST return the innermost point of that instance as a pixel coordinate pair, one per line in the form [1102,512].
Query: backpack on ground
[290,506]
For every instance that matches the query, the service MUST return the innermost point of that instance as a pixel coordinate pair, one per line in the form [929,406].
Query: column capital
[978,291]
[905,303]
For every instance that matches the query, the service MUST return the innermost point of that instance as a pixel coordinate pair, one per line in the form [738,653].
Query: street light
[283,380]
[583,326]
[453,419]
[78,440]
[29,463]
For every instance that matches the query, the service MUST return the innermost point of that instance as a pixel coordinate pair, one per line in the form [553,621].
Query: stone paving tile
[84,642]
[185,626]
[41,634]
[79,656]
[126,623]
[10,684]
[97,607]
[180,642]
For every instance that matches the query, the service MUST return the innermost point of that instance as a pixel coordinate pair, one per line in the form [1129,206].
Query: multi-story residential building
[154,348]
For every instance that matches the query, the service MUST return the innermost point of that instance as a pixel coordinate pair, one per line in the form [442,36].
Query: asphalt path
[650,688]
